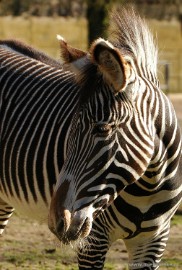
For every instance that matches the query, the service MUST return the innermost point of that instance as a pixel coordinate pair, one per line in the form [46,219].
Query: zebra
[47,147]
[37,99]
[121,177]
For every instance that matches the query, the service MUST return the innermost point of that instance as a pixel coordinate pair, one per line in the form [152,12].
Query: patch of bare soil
[29,245]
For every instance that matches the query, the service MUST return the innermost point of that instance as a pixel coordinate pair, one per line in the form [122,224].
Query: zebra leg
[145,252]
[5,213]
[92,254]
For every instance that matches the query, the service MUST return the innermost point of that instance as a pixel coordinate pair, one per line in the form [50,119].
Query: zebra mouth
[73,234]
[78,229]
[70,227]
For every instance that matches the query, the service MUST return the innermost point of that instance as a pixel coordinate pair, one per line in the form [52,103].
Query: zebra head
[109,144]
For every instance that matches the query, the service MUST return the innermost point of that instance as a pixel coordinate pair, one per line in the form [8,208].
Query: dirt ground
[28,245]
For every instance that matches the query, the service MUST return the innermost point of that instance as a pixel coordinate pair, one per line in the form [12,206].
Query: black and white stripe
[121,177]
[109,131]
[37,104]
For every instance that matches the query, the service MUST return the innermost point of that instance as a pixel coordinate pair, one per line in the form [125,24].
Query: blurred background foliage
[166,8]
[81,21]
[94,10]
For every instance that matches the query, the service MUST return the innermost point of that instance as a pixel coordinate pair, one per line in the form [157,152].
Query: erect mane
[131,33]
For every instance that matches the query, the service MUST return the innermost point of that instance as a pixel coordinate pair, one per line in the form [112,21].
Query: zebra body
[35,117]
[114,138]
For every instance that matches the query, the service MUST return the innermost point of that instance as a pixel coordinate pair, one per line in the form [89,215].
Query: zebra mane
[131,33]
[28,51]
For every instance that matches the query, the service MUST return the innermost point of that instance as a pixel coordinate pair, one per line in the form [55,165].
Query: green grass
[171,264]
[176,220]
[36,259]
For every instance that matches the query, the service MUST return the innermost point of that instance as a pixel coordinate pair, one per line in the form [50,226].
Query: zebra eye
[102,129]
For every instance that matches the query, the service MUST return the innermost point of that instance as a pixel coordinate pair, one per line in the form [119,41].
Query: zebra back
[37,101]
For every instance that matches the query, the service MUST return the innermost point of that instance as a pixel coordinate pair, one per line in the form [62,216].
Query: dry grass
[41,32]
[169,41]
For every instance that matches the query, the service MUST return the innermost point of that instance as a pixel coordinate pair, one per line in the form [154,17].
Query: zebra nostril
[63,223]
[60,227]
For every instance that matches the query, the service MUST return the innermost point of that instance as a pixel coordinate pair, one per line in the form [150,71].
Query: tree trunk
[97,12]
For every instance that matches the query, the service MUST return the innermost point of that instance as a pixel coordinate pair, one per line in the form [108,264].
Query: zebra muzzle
[70,228]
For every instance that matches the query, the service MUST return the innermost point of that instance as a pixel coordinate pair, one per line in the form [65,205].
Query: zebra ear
[68,53]
[111,63]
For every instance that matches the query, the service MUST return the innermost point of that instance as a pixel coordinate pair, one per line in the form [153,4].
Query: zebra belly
[34,210]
